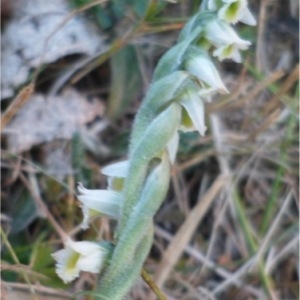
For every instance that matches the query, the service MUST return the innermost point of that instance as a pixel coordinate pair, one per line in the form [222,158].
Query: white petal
[84,248]
[61,255]
[92,263]
[212,5]
[229,1]
[247,17]
[225,14]
[220,34]
[86,217]
[65,266]
[195,108]
[106,202]
[229,51]
[172,146]
[66,274]
[119,169]
[83,191]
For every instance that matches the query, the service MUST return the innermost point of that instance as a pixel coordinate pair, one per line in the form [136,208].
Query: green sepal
[171,61]
[196,23]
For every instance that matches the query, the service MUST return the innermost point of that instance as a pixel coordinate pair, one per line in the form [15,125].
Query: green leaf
[126,80]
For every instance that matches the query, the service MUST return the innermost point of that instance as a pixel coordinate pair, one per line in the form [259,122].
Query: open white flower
[116,173]
[79,256]
[99,202]
[228,43]
[228,52]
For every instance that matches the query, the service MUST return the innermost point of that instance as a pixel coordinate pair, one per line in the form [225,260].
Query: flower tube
[99,202]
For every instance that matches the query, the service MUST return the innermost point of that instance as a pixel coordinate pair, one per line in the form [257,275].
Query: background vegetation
[229,226]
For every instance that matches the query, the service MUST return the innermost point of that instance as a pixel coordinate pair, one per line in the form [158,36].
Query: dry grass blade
[291,247]
[274,227]
[12,291]
[260,48]
[184,234]
[17,104]
[272,78]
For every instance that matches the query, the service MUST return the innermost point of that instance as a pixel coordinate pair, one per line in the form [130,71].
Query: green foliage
[24,212]
[78,154]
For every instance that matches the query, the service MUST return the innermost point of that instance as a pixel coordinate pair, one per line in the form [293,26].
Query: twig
[43,208]
[156,290]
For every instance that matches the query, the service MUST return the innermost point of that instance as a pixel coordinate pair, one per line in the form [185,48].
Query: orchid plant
[183,80]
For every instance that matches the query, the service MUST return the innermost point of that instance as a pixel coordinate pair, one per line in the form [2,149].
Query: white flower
[221,35]
[228,51]
[116,173]
[199,64]
[99,202]
[79,256]
[232,11]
